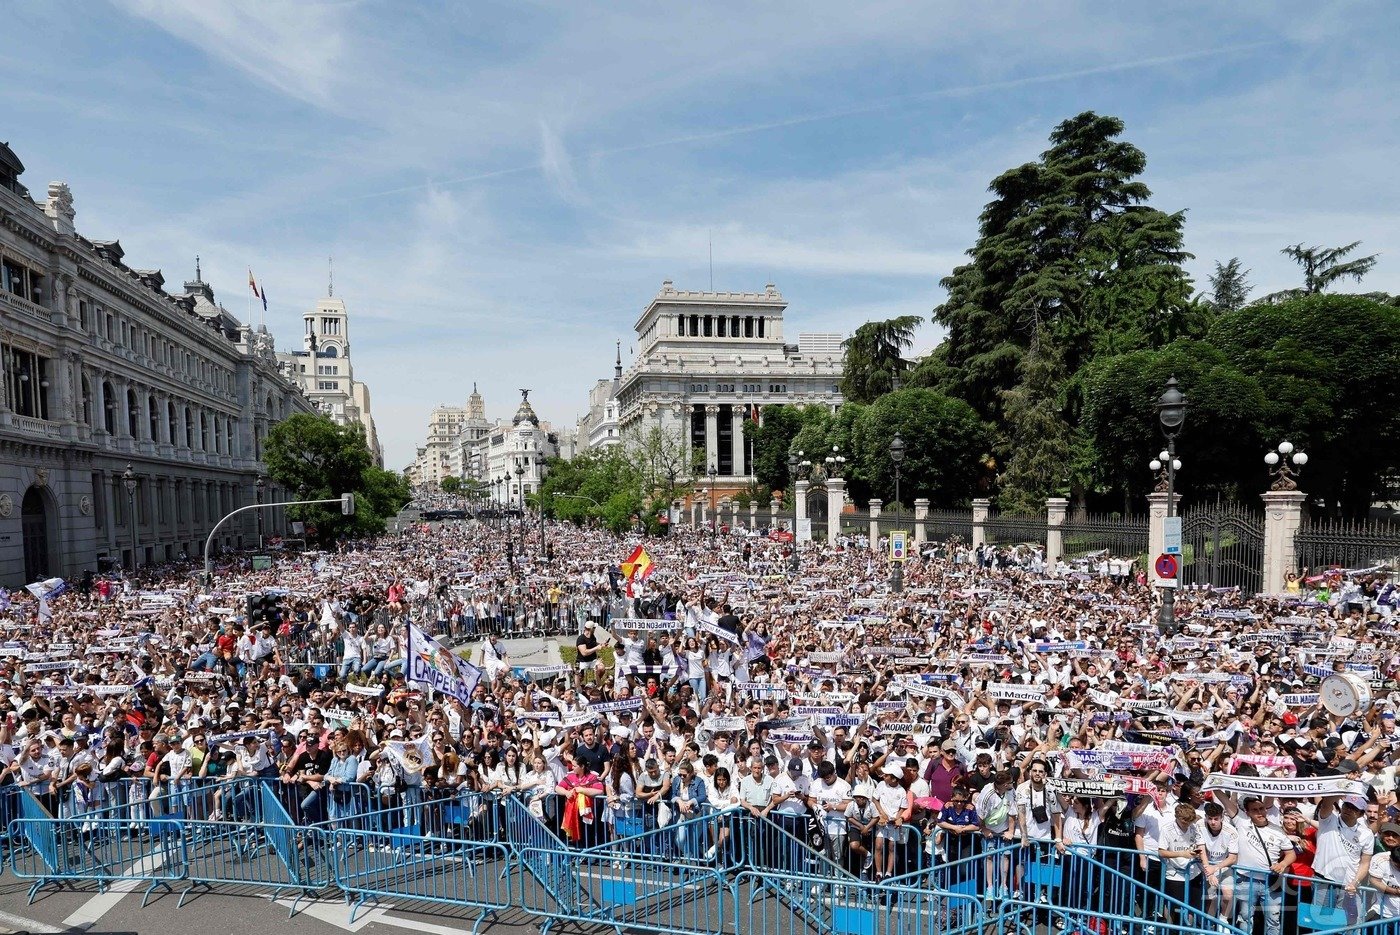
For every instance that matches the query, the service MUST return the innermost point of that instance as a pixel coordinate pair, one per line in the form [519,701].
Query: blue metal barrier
[624,890]
[372,865]
[100,850]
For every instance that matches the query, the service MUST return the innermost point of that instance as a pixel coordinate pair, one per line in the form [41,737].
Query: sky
[505,186]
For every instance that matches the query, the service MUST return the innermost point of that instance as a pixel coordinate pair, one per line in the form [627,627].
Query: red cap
[1290,718]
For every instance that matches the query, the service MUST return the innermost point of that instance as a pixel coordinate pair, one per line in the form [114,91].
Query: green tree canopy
[1323,267]
[771,441]
[944,441]
[1327,365]
[875,357]
[451,484]
[311,452]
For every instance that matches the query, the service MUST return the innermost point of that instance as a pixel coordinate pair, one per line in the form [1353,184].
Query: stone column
[1056,509]
[704,514]
[920,514]
[1156,533]
[875,525]
[773,514]
[753,514]
[1283,515]
[981,509]
[799,512]
[736,439]
[711,437]
[835,503]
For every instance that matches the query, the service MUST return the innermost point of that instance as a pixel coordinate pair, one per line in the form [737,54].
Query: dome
[526,412]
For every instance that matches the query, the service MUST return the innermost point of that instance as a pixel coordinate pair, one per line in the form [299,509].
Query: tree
[1327,365]
[598,486]
[661,461]
[311,452]
[1221,443]
[1068,255]
[1229,290]
[874,357]
[451,484]
[943,443]
[771,440]
[1322,266]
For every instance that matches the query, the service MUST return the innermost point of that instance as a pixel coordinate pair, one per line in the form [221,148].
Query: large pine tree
[1070,263]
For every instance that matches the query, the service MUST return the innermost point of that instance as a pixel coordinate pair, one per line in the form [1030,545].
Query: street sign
[1166,566]
[1171,535]
[899,542]
[262,562]
[804,530]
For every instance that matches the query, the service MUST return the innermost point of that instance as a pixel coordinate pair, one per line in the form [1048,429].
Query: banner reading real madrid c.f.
[430,665]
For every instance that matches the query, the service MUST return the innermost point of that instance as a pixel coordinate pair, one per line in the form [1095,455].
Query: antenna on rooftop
[712,259]
[330,286]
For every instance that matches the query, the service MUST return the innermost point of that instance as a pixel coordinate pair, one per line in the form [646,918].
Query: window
[310,326]
[329,386]
[699,387]
[189,428]
[709,326]
[27,383]
[153,410]
[724,387]
[721,332]
[751,388]
[327,370]
[777,387]
[133,413]
[99,502]
[760,327]
[330,326]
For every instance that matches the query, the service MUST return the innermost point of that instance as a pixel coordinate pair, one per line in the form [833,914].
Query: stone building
[131,418]
[325,372]
[706,361]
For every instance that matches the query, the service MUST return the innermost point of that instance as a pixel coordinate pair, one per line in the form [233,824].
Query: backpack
[387,778]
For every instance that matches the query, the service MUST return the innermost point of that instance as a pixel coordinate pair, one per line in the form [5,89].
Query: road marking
[29,925]
[418,926]
[98,906]
[334,912]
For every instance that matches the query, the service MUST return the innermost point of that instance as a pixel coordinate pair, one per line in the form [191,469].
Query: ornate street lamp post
[1285,477]
[714,511]
[258,495]
[793,463]
[897,458]
[129,482]
[1171,413]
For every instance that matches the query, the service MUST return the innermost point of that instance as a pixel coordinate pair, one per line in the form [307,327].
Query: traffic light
[347,504]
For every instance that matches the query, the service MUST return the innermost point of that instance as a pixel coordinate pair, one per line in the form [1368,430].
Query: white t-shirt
[1248,839]
[1339,848]
[1029,799]
[890,799]
[1172,837]
[1149,822]
[1220,846]
[828,799]
[989,801]
[1383,870]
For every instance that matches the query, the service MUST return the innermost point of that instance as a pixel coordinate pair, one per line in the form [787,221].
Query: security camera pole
[347,508]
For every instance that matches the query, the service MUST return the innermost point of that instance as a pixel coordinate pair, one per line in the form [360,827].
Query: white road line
[417,926]
[98,906]
[29,925]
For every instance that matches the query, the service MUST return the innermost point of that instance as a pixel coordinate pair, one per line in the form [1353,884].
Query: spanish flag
[636,567]
[253,284]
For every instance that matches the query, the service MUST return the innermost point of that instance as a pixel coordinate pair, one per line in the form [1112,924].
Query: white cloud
[558,167]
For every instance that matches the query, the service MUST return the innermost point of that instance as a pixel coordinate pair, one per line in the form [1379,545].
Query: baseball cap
[794,765]
[1357,802]
[1390,827]
[861,791]
[894,771]
[950,746]
[1348,765]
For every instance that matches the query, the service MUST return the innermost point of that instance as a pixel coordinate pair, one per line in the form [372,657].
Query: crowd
[1002,711]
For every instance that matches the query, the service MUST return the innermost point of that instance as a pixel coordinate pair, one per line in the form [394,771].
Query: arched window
[331,351]
[680,326]
[170,423]
[203,431]
[87,402]
[153,410]
[133,413]
[109,406]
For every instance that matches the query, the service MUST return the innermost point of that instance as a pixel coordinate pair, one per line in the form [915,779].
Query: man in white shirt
[790,814]
[1222,850]
[1264,851]
[1180,848]
[830,795]
[1344,846]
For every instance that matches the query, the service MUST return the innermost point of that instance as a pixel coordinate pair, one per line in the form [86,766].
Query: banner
[1299,699]
[804,710]
[782,723]
[560,669]
[1104,760]
[1284,787]
[1086,788]
[716,630]
[432,666]
[984,659]
[31,668]
[339,714]
[642,623]
[818,659]
[1010,691]
[842,720]
[906,727]
[626,704]
[761,688]
[1058,646]
[1263,761]
[373,690]
[789,736]
[721,724]
[933,691]
[896,704]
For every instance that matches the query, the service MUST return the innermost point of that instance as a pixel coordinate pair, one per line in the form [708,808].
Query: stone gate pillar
[920,515]
[835,504]
[1056,509]
[1156,533]
[799,512]
[875,525]
[981,508]
[1283,515]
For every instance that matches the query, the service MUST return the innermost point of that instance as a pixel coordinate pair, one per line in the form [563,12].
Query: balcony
[24,307]
[39,428]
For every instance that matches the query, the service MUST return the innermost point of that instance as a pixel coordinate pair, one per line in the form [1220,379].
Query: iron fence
[947,524]
[1327,543]
[1014,529]
[1123,536]
[1222,546]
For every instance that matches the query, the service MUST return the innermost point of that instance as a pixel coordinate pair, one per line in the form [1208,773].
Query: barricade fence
[718,871]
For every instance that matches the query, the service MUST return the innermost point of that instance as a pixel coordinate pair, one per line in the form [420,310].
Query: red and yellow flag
[636,567]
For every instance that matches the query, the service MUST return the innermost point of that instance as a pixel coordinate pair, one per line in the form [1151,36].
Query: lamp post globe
[1171,415]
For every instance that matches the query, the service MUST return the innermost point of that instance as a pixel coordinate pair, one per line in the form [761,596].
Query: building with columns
[324,370]
[706,361]
[463,443]
[103,370]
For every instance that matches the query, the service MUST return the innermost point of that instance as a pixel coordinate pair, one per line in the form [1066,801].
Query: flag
[263,296]
[253,284]
[637,567]
[753,413]
[430,664]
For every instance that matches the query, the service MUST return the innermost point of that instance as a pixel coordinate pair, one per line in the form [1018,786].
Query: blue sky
[505,185]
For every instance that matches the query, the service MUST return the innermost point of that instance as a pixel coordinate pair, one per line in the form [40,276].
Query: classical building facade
[706,361]
[506,457]
[599,428]
[131,418]
[326,374]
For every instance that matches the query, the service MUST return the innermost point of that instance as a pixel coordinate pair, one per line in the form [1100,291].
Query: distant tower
[476,406]
[327,329]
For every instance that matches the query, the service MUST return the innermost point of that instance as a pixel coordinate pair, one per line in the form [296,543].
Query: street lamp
[1285,477]
[1171,413]
[129,482]
[539,503]
[897,458]
[714,512]
[520,493]
[258,495]
[793,464]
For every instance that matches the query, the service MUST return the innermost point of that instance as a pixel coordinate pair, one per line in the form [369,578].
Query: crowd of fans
[1003,710]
